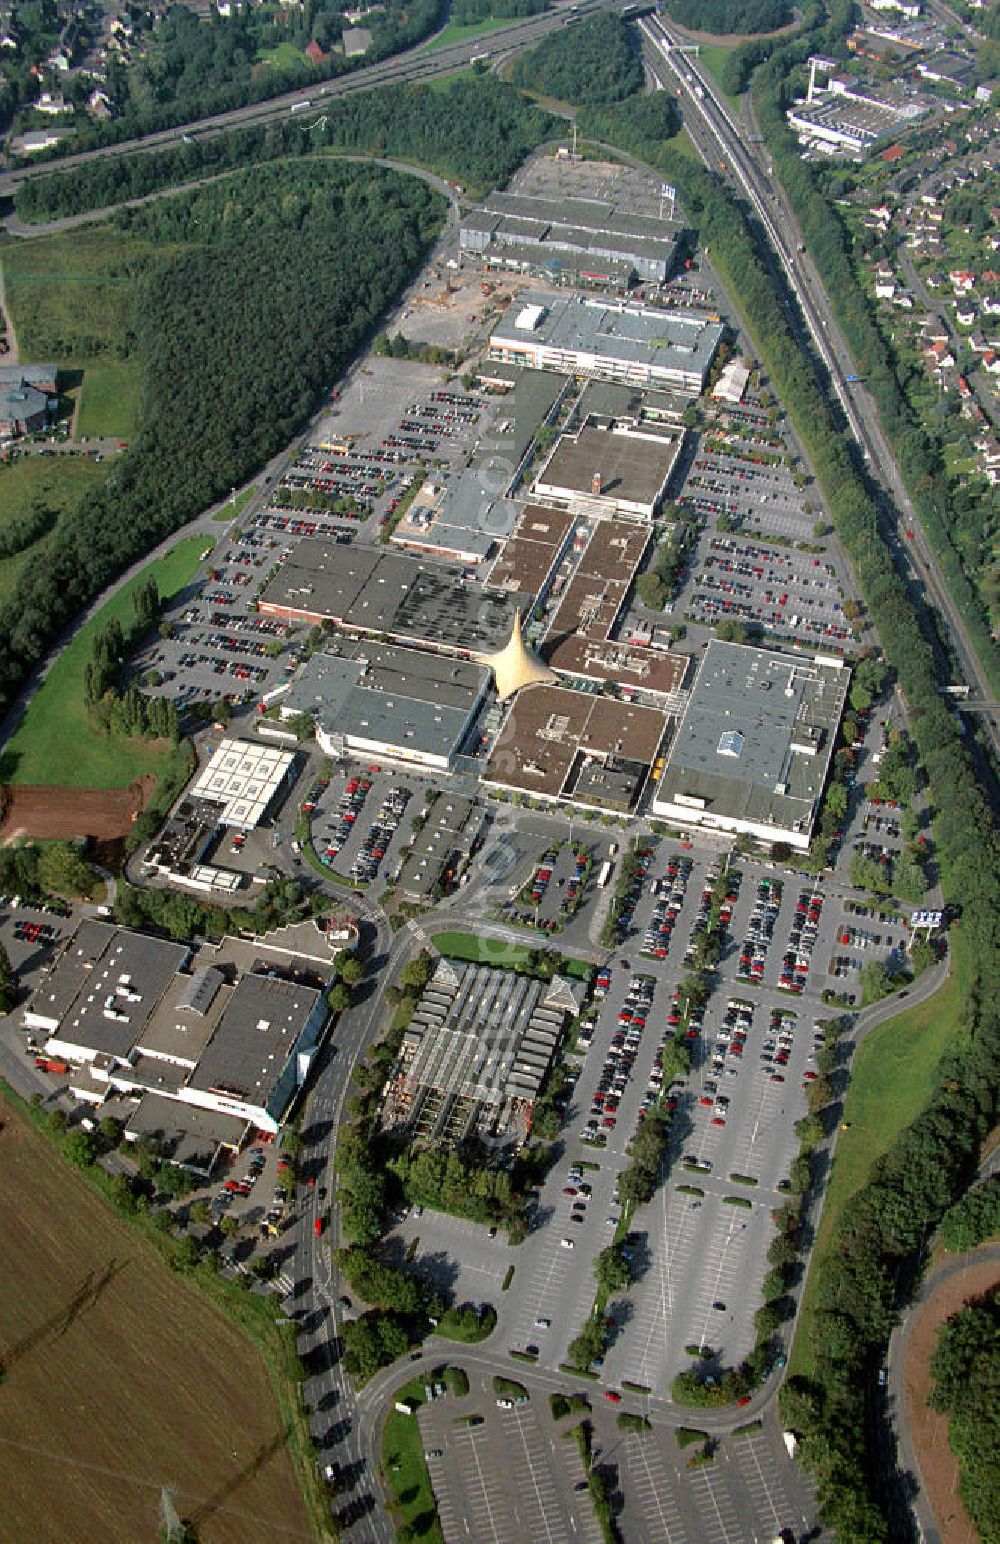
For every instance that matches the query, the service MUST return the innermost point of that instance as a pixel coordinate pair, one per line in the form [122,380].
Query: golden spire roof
[515,665]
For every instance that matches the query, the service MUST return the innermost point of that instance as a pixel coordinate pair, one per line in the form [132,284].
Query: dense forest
[476,132]
[966,1372]
[467,12]
[284,273]
[596,61]
[723,16]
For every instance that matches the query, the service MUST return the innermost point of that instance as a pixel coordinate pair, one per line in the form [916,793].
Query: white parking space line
[716,1508]
[489,1522]
[537,1509]
[648,1483]
[759,1475]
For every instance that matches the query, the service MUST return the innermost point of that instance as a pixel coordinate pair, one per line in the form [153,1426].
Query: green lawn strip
[455,32]
[56,745]
[713,56]
[406,1468]
[234,507]
[636,1388]
[108,398]
[687,1436]
[453,1326]
[748,1428]
[494,951]
[443,83]
[521,1356]
[508,1388]
[891,1082]
[577,1372]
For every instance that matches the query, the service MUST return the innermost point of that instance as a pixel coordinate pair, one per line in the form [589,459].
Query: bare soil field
[121,1379]
[929,1430]
[63,813]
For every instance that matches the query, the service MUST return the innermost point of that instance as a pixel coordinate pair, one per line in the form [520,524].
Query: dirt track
[928,1429]
[63,813]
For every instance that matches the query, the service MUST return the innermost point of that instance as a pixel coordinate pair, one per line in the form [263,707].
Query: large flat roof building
[377,699]
[569,240]
[561,745]
[367,590]
[475,1054]
[231,1029]
[601,473]
[613,340]
[753,747]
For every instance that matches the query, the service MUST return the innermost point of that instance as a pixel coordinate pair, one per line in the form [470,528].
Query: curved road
[896,1386]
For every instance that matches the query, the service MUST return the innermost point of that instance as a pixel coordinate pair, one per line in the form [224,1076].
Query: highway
[416,64]
[720,142]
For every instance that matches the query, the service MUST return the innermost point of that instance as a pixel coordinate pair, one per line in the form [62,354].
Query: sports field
[57,744]
[121,1379]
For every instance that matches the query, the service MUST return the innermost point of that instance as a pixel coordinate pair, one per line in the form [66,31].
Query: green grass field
[108,398]
[494,951]
[455,33]
[56,479]
[56,745]
[713,56]
[282,57]
[72,295]
[72,299]
[892,1080]
[406,1470]
[233,507]
[443,83]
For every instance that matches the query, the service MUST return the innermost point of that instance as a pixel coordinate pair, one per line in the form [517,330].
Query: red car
[612,1396]
[318,1227]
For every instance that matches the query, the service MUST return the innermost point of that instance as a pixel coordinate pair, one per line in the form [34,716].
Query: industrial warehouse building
[569,240]
[231,1029]
[753,748]
[376,699]
[475,1054]
[243,778]
[612,340]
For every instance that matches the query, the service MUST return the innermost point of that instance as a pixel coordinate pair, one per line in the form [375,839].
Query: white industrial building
[243,778]
[231,1029]
[753,748]
[609,339]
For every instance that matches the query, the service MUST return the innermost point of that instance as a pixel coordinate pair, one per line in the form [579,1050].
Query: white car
[567,1243]
[542,1324]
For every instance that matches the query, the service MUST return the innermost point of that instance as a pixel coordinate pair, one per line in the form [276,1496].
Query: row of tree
[268,284]
[965,1369]
[872,1263]
[958,522]
[478,132]
[727,16]
[198,67]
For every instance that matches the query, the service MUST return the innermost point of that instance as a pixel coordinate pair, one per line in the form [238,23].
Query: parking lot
[787,594]
[362,818]
[454,1255]
[554,887]
[505,1477]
